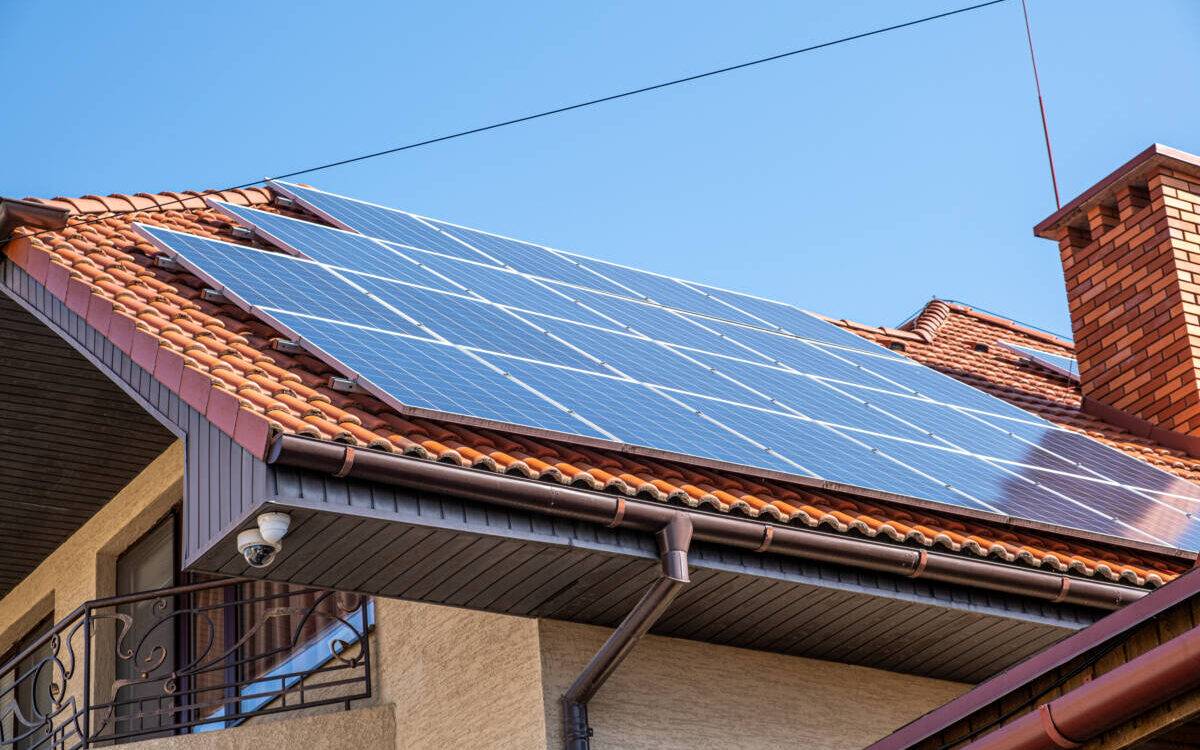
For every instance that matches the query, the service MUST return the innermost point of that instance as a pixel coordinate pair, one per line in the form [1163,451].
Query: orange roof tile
[221,361]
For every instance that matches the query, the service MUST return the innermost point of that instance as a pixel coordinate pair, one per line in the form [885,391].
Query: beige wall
[460,678]
[371,728]
[672,693]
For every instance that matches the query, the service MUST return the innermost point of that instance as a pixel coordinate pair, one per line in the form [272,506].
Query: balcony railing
[187,659]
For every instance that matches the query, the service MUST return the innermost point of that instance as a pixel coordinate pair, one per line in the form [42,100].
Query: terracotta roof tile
[221,362]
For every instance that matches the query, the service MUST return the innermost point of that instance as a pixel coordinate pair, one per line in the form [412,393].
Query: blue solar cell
[529,258]
[929,382]
[1101,459]
[656,322]
[666,291]
[475,324]
[812,398]
[794,320]
[335,247]
[649,362]
[1167,524]
[278,281]
[430,375]
[376,221]
[1005,492]
[505,287]
[826,453]
[959,429]
[636,414]
[1059,363]
[795,353]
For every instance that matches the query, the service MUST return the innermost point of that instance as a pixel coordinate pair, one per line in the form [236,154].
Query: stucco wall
[677,694]
[460,678]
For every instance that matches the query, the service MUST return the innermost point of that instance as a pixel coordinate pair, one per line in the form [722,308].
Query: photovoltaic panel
[529,258]
[824,453]
[472,323]
[1056,363]
[335,247]
[928,382]
[1106,461]
[787,351]
[432,375]
[654,321]
[648,361]
[793,320]
[809,397]
[506,287]
[634,412]
[666,291]
[699,372]
[377,221]
[280,282]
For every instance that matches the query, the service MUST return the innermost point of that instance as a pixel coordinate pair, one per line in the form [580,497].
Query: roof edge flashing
[15,212]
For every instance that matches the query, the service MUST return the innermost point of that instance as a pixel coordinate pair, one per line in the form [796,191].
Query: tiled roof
[221,361]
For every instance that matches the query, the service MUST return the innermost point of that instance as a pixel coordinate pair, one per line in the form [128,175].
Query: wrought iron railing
[187,659]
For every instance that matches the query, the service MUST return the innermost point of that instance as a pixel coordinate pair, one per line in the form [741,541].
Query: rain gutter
[650,517]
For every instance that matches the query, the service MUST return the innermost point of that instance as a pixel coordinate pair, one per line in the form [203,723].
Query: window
[146,653]
[24,691]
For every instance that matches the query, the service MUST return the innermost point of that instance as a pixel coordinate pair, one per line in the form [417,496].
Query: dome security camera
[260,546]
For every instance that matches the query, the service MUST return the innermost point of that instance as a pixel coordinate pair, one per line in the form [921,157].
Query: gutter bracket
[673,540]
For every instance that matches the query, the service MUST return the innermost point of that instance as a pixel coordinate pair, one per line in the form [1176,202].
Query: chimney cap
[1156,154]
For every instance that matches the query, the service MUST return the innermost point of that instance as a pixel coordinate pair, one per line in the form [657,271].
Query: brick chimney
[1130,248]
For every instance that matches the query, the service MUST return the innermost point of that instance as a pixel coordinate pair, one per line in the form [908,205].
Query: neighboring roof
[221,361]
[1102,633]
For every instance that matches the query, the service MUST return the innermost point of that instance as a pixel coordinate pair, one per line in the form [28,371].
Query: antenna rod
[1041,105]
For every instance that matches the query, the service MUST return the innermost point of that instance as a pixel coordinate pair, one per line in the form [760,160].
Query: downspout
[618,511]
[1106,702]
[673,542]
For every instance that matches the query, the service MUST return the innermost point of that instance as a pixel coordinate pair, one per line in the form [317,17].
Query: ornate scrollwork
[220,653]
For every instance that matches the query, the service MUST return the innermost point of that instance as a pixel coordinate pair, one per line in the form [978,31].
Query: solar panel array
[433,316]
[1057,363]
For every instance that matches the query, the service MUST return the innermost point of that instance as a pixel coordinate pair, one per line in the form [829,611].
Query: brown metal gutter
[649,517]
[1108,701]
[673,542]
[15,213]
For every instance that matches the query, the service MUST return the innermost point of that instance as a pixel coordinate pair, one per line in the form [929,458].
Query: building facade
[442,584]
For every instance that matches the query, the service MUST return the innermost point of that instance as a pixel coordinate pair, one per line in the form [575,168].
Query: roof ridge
[123,202]
[1008,323]
[930,320]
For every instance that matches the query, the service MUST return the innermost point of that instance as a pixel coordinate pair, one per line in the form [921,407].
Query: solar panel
[431,375]
[378,221]
[1059,364]
[530,338]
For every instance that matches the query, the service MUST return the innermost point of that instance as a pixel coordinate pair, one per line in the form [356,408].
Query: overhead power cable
[546,113]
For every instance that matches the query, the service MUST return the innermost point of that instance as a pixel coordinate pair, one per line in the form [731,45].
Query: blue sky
[856,181]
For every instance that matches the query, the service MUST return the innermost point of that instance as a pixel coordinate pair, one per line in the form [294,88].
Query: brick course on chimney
[1130,249]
